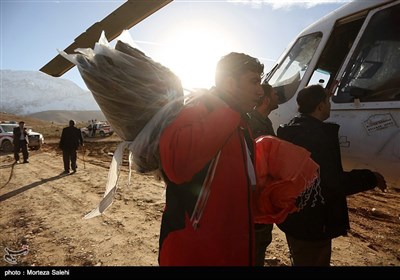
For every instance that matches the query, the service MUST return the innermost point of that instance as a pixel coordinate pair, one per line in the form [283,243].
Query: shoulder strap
[204,193]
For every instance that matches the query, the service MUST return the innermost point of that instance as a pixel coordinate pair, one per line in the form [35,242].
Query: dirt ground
[42,211]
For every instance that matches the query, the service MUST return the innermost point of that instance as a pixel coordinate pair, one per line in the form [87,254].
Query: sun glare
[192,53]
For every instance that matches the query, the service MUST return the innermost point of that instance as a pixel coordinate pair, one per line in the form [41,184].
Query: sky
[189,37]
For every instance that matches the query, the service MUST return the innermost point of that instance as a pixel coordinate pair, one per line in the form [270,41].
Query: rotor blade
[127,15]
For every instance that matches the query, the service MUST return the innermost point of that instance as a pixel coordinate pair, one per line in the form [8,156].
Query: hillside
[29,121]
[50,123]
[26,92]
[63,116]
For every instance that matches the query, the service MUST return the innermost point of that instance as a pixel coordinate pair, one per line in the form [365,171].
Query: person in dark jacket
[260,124]
[20,142]
[71,139]
[309,232]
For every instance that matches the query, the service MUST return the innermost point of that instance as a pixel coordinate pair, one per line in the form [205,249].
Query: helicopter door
[371,72]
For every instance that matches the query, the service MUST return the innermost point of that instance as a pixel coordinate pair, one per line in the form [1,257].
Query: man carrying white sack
[207,161]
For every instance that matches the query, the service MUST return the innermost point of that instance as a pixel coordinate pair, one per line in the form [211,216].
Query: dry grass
[48,129]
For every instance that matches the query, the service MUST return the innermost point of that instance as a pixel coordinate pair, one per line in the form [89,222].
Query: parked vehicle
[102,129]
[36,140]
[6,137]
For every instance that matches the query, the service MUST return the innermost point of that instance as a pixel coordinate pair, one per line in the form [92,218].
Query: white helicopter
[354,52]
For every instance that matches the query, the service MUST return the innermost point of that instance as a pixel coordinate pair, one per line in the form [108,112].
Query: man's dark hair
[71,122]
[267,89]
[235,64]
[309,97]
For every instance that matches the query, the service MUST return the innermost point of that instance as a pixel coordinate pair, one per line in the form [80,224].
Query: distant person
[94,128]
[260,124]
[90,128]
[71,139]
[310,231]
[207,158]
[20,142]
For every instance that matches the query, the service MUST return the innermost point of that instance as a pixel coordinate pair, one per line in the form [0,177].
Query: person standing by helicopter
[310,231]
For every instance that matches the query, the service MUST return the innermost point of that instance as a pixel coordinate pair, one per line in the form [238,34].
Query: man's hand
[381,183]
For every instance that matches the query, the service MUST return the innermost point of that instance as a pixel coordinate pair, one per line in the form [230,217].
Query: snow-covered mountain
[27,92]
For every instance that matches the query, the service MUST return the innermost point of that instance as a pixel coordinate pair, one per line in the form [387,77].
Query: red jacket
[225,232]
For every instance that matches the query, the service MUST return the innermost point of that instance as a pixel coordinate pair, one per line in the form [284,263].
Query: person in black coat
[310,231]
[71,139]
[20,142]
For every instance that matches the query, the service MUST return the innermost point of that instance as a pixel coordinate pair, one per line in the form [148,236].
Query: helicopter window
[337,47]
[287,77]
[320,77]
[373,73]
